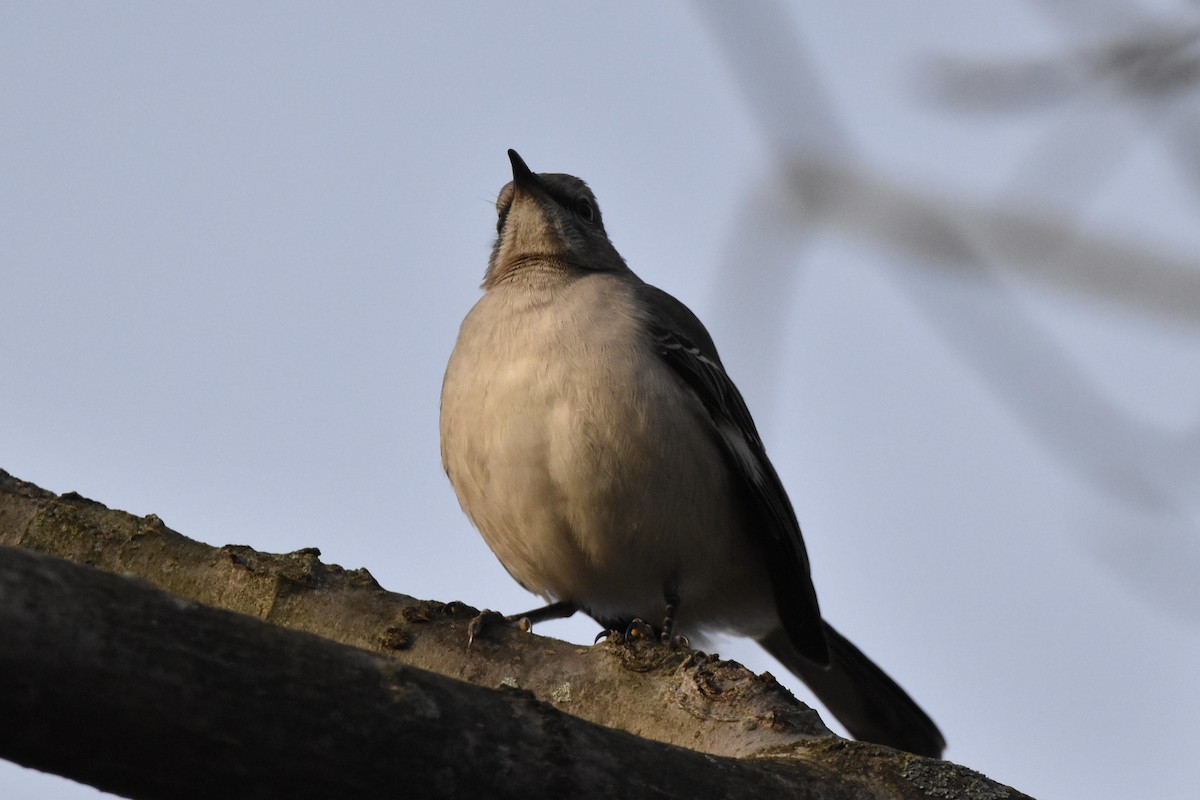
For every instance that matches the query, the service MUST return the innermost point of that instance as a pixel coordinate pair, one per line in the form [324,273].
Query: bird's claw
[475,626]
[487,617]
[638,629]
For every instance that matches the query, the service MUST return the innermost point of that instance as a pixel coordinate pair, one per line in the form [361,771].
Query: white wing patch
[742,451]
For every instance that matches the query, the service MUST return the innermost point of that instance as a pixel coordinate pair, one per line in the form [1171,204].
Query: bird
[594,438]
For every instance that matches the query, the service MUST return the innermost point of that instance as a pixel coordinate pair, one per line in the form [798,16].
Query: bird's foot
[524,622]
[486,617]
[635,630]
[638,629]
[641,631]
[477,624]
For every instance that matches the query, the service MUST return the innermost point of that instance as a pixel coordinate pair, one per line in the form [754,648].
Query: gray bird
[594,438]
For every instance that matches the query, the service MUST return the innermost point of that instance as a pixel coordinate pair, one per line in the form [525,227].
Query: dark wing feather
[685,346]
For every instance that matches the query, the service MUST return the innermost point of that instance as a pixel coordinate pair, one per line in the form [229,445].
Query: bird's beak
[522,175]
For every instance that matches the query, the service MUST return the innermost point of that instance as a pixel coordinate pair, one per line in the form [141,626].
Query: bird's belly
[612,501]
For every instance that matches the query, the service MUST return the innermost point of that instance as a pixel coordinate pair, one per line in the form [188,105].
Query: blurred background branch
[1027,238]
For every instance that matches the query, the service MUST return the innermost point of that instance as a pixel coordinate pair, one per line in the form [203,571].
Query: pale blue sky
[236,241]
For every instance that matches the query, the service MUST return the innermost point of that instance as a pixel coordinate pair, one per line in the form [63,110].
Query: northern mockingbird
[594,438]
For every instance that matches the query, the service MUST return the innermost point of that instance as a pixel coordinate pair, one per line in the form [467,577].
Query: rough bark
[114,682]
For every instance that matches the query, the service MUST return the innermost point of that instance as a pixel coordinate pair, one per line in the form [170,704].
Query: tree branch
[116,683]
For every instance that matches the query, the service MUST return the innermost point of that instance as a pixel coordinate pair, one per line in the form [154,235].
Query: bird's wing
[684,345]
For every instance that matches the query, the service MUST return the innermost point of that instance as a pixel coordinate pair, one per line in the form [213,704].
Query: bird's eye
[585,209]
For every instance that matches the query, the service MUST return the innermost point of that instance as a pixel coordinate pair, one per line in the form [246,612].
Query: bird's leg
[671,596]
[560,610]
[524,621]
[638,629]
[668,629]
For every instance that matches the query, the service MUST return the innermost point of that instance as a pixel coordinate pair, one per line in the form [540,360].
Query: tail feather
[871,705]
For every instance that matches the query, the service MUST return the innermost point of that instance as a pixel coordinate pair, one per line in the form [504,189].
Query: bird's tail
[871,705]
